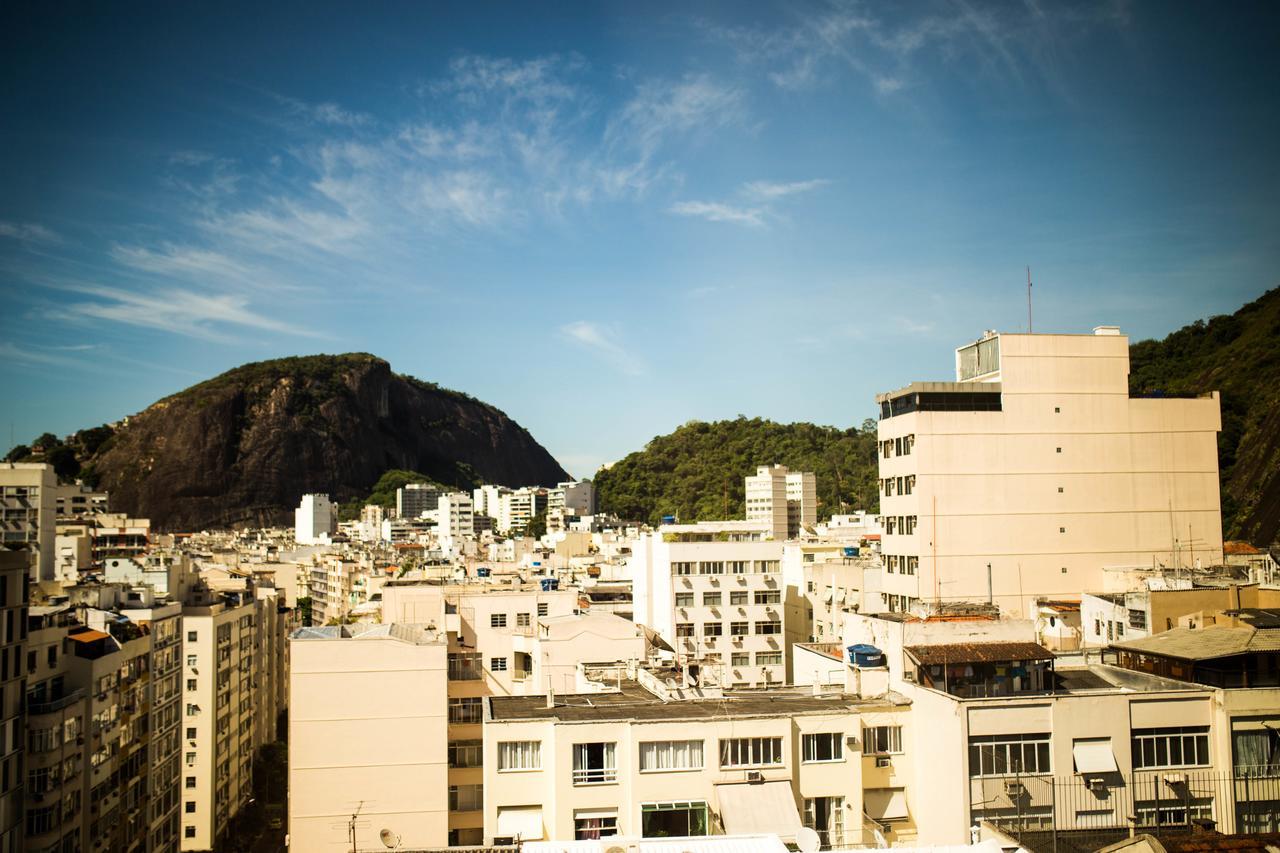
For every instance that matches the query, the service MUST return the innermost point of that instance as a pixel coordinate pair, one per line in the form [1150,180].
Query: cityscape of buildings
[1039,641]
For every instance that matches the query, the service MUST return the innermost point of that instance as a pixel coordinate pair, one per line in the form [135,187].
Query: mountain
[1239,355]
[697,471]
[241,448]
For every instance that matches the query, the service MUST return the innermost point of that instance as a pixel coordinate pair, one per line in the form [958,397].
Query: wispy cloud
[601,341]
[755,212]
[714,211]
[28,232]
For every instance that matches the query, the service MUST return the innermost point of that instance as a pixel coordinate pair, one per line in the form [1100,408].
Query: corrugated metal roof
[1204,643]
[699,844]
[978,653]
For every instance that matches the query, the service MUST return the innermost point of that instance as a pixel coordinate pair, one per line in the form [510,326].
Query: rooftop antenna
[1028,300]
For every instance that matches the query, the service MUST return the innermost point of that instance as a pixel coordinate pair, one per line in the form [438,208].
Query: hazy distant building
[785,500]
[315,520]
[1035,472]
[415,499]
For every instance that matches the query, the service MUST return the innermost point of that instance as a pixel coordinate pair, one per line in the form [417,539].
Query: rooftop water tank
[864,654]
[550,584]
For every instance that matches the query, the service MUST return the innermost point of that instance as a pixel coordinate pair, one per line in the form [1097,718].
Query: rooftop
[977,653]
[416,634]
[633,702]
[1204,643]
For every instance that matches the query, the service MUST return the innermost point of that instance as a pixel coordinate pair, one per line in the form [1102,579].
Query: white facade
[1036,470]
[785,500]
[315,520]
[28,501]
[454,523]
[517,507]
[715,591]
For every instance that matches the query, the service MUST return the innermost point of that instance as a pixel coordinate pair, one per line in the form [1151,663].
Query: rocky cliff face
[242,448]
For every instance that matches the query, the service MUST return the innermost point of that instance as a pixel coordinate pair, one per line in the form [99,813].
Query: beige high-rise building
[1035,472]
[367,737]
[28,513]
[14,580]
[785,500]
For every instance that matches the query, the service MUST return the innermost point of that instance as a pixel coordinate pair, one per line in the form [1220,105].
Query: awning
[1094,756]
[885,803]
[88,636]
[750,808]
[523,822]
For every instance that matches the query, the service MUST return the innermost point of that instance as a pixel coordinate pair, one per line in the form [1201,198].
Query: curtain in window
[519,755]
[1257,753]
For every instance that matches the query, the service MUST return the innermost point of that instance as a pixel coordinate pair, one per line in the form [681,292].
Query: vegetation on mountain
[696,472]
[1238,355]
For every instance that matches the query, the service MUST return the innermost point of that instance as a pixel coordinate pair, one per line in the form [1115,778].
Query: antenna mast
[1029,300]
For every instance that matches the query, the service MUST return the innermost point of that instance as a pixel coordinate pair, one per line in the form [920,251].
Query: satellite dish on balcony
[389,839]
[807,840]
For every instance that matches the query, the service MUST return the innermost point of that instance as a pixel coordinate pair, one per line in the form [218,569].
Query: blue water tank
[851,551]
[482,572]
[668,519]
[550,584]
[864,654]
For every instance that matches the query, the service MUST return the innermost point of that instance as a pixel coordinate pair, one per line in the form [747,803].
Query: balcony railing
[48,707]
[595,775]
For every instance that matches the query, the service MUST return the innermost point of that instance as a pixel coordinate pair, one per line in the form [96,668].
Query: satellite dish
[807,840]
[615,849]
[389,839]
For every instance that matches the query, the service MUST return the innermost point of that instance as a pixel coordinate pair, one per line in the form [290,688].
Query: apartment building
[785,500]
[1110,617]
[223,663]
[332,585]
[28,515]
[78,501]
[1010,735]
[15,579]
[368,737]
[715,590]
[102,727]
[568,503]
[517,507]
[455,525]
[315,520]
[416,499]
[647,761]
[1035,471]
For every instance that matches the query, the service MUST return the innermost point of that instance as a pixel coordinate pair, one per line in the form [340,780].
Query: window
[738,597]
[1059,449]
[673,820]
[740,659]
[1187,746]
[750,751]
[824,746]
[191,636]
[768,596]
[713,567]
[542,609]
[881,740]
[191,684]
[1060,490]
[768,658]
[1138,620]
[466,798]
[661,755]
[191,759]
[465,666]
[465,710]
[190,807]
[498,664]
[739,629]
[682,568]
[738,567]
[711,599]
[684,629]
[594,763]
[516,755]
[191,660]
[191,734]
[589,825]
[1004,755]
[191,781]
[712,629]
[522,620]
[1257,752]
[497,620]
[684,599]
[466,753]
[768,565]
[771,627]
[825,815]
[188,832]
[1173,812]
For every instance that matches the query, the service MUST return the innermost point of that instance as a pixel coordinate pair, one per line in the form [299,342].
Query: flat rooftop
[633,702]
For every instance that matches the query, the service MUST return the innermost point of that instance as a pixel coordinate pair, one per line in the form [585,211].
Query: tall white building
[454,525]
[315,520]
[517,507]
[785,500]
[485,500]
[1035,472]
[715,590]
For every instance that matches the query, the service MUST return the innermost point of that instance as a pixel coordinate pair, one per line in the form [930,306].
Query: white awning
[523,822]
[1094,756]
[749,808]
[885,803]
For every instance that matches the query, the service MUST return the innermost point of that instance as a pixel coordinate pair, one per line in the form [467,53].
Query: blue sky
[611,219]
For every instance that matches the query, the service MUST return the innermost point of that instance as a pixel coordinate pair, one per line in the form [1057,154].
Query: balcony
[58,704]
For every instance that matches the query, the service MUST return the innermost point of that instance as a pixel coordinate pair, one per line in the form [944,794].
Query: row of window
[894,564]
[597,762]
[891,447]
[523,620]
[736,629]
[684,819]
[1006,755]
[718,567]
[902,525]
[737,598]
[890,486]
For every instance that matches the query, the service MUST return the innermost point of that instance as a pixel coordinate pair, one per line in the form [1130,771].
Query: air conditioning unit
[1096,783]
[851,741]
[755,776]
[1013,789]
[883,761]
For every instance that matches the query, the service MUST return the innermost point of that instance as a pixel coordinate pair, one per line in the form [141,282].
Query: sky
[610,219]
